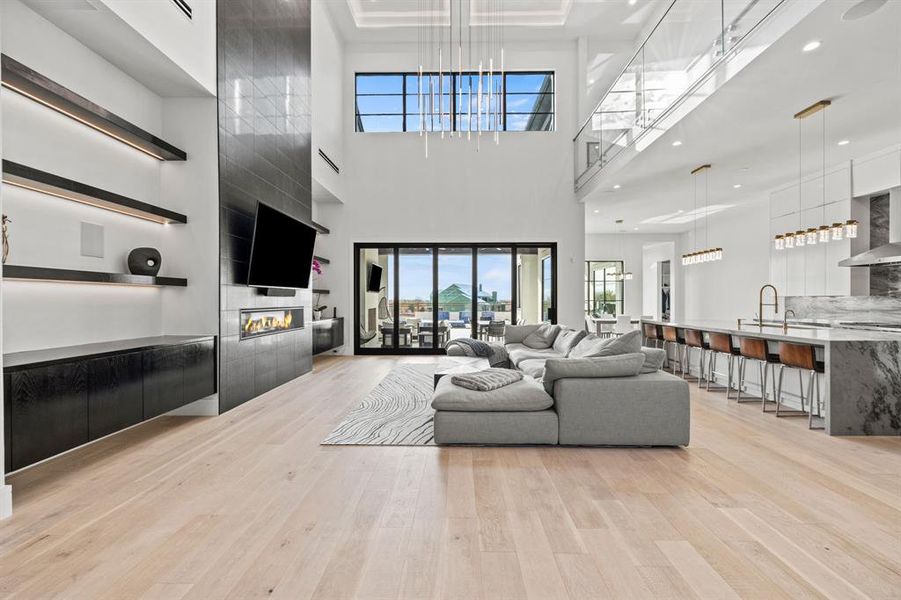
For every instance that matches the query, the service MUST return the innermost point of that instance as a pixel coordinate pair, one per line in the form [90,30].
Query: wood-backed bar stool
[756,349]
[651,334]
[721,343]
[802,357]
[672,336]
[694,339]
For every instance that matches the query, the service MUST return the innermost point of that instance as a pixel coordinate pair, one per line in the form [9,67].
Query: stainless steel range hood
[885,254]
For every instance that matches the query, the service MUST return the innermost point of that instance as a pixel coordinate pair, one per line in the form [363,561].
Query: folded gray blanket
[487,380]
[495,353]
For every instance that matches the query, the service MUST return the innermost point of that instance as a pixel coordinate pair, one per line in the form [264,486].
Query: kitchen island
[861,388]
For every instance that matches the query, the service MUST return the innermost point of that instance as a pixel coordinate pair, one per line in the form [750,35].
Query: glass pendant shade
[837,231]
[779,242]
[851,228]
[800,239]
[812,236]
[719,254]
[789,240]
[627,275]
[824,234]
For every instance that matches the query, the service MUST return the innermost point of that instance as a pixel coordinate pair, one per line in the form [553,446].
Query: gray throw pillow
[515,334]
[593,345]
[543,337]
[622,365]
[567,339]
[653,359]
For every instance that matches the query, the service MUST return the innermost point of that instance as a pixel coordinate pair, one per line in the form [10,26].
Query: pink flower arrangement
[317,268]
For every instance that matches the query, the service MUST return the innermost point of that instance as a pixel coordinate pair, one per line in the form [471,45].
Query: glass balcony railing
[691,39]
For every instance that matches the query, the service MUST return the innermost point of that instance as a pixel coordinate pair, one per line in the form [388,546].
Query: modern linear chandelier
[709,254]
[461,70]
[825,232]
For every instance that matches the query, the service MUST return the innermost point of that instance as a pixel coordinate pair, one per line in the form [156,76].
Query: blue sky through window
[416,274]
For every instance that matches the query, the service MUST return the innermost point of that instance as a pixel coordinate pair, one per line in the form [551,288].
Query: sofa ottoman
[519,413]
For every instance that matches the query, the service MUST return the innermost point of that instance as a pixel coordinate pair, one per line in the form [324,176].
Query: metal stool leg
[711,367]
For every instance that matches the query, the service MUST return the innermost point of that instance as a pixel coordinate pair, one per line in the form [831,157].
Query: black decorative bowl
[144,261]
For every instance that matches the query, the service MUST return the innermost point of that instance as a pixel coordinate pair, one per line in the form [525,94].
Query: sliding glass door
[414,298]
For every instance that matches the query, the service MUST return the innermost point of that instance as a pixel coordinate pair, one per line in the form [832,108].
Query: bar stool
[671,335]
[803,358]
[756,349]
[651,334]
[694,339]
[721,343]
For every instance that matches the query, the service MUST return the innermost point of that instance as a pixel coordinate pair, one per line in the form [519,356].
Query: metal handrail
[621,73]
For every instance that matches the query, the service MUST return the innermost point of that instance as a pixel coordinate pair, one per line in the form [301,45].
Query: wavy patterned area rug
[396,413]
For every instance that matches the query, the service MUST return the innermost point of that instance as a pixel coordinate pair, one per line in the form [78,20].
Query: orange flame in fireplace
[268,322]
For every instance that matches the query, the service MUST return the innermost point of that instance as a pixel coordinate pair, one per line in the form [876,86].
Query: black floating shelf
[74,276]
[320,228]
[28,82]
[67,189]
[320,291]
[324,261]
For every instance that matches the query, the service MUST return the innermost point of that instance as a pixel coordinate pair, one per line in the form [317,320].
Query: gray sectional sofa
[577,389]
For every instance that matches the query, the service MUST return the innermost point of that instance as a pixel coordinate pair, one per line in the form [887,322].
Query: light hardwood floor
[248,505]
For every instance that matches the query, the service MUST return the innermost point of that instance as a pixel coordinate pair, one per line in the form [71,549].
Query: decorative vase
[144,261]
[317,314]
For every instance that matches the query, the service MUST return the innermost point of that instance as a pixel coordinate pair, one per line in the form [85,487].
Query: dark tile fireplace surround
[264,155]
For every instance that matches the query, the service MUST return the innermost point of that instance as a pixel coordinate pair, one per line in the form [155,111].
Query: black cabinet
[164,381]
[328,334]
[200,370]
[48,411]
[115,393]
[58,399]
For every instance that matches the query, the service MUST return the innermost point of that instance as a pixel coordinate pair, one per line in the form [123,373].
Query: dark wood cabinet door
[48,411]
[200,370]
[163,380]
[115,393]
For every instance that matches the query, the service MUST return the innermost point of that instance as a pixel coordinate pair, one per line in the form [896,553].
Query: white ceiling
[372,21]
[746,129]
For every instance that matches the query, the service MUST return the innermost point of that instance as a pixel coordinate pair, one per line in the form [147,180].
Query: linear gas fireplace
[266,321]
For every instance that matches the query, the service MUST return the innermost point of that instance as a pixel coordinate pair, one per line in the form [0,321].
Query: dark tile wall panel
[885,280]
[264,155]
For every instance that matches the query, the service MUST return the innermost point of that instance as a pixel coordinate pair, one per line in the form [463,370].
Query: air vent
[329,161]
[184,7]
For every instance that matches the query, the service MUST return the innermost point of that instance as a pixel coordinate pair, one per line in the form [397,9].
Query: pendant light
[440,47]
[709,254]
[624,275]
[824,233]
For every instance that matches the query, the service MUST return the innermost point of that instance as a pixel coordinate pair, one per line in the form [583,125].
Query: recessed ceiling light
[632,2]
[736,186]
[681,211]
[677,143]
[844,142]
[596,211]
[617,186]
[811,45]
[635,229]
[591,82]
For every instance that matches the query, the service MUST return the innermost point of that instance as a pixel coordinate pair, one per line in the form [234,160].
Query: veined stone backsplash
[885,280]
[876,309]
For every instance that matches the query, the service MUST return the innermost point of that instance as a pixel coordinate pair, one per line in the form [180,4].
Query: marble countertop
[800,333]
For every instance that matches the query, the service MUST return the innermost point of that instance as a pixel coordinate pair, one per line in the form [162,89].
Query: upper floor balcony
[693,50]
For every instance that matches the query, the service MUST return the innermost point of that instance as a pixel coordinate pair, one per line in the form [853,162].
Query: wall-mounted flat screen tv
[374,283]
[282,250]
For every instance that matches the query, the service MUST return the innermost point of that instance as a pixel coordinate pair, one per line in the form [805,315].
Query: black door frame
[434,249]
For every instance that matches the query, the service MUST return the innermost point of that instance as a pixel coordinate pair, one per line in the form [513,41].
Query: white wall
[629,248]
[183,40]
[519,191]
[46,231]
[328,97]
[728,289]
